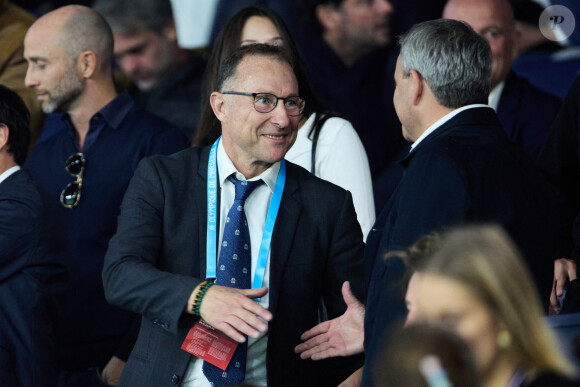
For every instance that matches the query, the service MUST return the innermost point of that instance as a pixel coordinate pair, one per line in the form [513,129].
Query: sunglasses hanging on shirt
[71,194]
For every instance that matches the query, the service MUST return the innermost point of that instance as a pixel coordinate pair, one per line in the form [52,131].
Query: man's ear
[87,64]
[218,105]
[4,132]
[328,16]
[416,86]
[170,31]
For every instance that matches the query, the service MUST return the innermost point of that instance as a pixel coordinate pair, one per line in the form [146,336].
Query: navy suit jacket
[466,171]
[526,113]
[560,157]
[27,350]
[158,256]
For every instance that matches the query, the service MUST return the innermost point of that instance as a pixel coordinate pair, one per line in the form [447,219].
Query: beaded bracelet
[201,290]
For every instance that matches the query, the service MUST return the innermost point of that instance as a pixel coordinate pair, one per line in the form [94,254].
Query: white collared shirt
[4,175]
[256,209]
[443,120]
[495,95]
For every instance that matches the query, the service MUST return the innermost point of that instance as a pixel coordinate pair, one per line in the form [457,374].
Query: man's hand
[234,312]
[342,336]
[564,272]
[112,371]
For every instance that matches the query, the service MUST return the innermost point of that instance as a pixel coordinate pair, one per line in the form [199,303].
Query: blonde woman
[476,284]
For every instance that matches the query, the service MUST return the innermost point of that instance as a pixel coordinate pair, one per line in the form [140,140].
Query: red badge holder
[209,344]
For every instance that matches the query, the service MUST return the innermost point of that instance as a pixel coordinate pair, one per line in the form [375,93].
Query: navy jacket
[90,330]
[526,113]
[560,157]
[158,257]
[27,282]
[466,171]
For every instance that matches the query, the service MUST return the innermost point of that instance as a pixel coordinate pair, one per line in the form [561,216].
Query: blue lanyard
[211,239]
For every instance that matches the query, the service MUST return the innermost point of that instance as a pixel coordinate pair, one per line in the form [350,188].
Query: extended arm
[342,336]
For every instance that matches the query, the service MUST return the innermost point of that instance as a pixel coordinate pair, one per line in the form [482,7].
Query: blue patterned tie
[234,268]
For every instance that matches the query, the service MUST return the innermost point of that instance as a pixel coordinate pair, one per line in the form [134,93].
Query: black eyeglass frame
[78,182]
[301,101]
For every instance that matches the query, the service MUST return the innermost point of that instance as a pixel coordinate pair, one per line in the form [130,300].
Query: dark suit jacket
[560,157]
[465,171]
[158,256]
[27,349]
[526,113]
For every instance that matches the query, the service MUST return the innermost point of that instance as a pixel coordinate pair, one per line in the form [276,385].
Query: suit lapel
[283,235]
[508,106]
[199,187]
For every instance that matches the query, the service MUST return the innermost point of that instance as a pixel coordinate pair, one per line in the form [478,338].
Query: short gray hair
[452,58]
[229,67]
[128,17]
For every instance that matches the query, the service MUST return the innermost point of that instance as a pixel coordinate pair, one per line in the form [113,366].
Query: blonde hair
[486,261]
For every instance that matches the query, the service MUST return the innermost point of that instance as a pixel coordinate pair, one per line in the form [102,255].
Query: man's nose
[383,7]
[280,115]
[29,80]
[129,64]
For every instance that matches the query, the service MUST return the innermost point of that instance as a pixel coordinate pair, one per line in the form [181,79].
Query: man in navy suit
[462,168]
[26,337]
[525,112]
[159,256]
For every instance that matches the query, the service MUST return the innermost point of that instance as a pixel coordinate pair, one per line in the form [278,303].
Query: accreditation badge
[209,344]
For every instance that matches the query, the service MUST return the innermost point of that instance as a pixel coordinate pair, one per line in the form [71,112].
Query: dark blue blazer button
[175,379]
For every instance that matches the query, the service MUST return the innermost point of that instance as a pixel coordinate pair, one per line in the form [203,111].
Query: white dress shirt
[256,209]
[495,95]
[443,120]
[8,172]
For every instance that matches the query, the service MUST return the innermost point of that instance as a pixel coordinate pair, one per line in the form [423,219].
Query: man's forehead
[476,11]
[264,69]
[258,60]
[41,41]
[126,41]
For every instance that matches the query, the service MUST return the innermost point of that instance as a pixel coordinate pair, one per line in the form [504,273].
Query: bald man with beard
[82,167]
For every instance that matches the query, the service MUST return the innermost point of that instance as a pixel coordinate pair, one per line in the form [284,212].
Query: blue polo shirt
[90,330]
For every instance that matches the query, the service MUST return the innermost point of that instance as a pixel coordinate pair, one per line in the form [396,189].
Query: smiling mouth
[274,137]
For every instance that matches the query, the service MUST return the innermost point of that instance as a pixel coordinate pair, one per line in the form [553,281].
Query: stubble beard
[66,91]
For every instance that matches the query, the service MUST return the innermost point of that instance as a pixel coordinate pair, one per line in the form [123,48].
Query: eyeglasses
[266,102]
[71,194]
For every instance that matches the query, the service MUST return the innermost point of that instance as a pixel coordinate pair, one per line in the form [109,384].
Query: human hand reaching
[564,273]
[342,336]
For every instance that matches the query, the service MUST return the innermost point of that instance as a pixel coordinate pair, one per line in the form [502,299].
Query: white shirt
[256,209]
[8,172]
[443,120]
[495,95]
[340,159]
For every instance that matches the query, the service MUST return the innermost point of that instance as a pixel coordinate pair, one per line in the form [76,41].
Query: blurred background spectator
[166,79]
[14,22]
